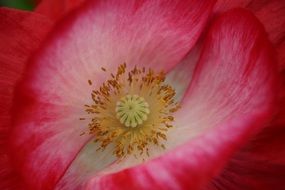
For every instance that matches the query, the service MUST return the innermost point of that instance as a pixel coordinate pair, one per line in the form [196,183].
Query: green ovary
[132,110]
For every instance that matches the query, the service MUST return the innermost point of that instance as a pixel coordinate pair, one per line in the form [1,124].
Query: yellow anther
[132,110]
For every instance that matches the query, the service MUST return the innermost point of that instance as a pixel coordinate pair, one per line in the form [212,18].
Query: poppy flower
[141,95]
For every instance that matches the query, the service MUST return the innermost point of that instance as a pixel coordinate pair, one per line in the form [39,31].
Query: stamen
[132,110]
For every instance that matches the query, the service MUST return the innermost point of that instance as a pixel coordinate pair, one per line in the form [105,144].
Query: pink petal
[234,75]
[267,148]
[47,138]
[261,163]
[230,99]
[270,13]
[19,38]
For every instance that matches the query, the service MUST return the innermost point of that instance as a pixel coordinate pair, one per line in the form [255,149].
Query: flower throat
[132,110]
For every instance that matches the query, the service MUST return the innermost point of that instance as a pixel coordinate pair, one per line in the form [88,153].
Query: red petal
[281,56]
[19,38]
[272,16]
[271,13]
[255,5]
[56,9]
[261,163]
[103,33]
[235,77]
[247,172]
[224,5]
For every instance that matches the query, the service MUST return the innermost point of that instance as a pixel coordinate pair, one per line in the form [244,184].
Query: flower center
[132,110]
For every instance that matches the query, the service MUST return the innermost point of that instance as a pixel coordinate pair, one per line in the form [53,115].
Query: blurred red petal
[56,9]
[224,5]
[272,16]
[261,163]
[281,56]
[19,39]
